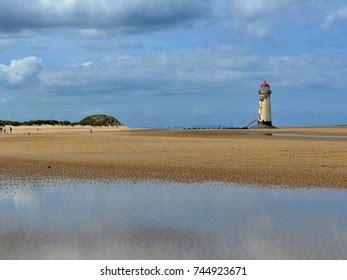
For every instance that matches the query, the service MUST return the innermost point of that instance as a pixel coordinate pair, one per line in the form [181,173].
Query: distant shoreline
[57,129]
[94,120]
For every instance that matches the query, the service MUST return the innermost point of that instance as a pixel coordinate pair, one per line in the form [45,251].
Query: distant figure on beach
[4,130]
[10,129]
[91,131]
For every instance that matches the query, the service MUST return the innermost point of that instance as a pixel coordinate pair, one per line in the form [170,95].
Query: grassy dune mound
[100,120]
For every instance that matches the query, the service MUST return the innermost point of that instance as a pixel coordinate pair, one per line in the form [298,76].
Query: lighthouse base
[263,125]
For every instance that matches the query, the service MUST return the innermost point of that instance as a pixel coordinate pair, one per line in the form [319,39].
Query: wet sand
[122,219]
[242,156]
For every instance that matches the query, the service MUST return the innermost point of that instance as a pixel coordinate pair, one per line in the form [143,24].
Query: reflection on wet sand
[71,219]
[309,135]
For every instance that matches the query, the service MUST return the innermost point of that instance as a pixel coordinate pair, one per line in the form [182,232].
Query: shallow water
[310,135]
[70,219]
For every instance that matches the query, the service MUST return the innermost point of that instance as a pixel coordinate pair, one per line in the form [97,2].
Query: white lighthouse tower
[264,113]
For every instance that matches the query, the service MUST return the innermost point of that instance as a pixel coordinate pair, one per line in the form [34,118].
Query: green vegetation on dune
[100,120]
[95,120]
[37,122]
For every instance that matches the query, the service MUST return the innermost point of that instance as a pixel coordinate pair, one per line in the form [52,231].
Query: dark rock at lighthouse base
[263,126]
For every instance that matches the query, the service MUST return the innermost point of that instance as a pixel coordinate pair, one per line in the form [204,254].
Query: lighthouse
[264,113]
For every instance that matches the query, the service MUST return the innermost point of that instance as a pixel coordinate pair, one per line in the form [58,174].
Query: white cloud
[257,17]
[259,8]
[93,33]
[25,70]
[259,28]
[6,43]
[84,64]
[334,16]
[307,70]
[188,71]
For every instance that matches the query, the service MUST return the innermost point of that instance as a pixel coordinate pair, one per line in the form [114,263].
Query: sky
[171,63]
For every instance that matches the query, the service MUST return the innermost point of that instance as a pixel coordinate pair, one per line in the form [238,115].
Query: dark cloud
[193,71]
[121,15]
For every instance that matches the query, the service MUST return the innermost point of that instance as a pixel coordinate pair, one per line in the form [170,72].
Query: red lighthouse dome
[265,88]
[265,84]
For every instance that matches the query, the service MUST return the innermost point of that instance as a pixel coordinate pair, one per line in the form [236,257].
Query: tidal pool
[76,219]
[309,135]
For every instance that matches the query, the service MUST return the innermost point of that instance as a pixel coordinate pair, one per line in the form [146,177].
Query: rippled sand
[245,156]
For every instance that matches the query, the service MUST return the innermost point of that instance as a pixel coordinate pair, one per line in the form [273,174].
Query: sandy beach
[242,156]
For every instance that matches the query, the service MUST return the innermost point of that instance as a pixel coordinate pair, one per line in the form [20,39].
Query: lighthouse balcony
[264,91]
